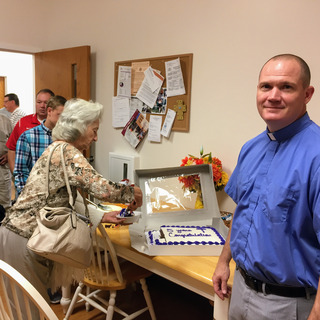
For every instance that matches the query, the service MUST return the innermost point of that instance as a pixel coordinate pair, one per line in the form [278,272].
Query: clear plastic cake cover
[177,194]
[169,194]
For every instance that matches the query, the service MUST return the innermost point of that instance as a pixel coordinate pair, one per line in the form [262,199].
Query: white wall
[230,41]
[17,68]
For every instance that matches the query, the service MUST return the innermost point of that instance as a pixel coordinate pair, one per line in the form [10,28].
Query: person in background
[4,110]
[11,103]
[13,112]
[275,233]
[5,174]
[33,142]
[27,123]
[78,127]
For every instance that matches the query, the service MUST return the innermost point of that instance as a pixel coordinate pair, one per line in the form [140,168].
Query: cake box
[167,203]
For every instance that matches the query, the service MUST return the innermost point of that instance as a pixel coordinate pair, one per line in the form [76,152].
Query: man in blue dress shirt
[275,234]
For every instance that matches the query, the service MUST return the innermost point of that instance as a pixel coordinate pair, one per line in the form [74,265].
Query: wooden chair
[106,273]
[25,298]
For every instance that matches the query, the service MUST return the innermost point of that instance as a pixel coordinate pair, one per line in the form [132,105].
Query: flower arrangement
[192,182]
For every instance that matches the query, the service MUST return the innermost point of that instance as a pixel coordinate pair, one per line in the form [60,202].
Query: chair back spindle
[107,274]
[19,299]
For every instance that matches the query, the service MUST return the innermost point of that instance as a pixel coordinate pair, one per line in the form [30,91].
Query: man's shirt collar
[47,130]
[290,130]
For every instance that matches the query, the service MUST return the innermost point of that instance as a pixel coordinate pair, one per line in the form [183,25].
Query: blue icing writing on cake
[184,235]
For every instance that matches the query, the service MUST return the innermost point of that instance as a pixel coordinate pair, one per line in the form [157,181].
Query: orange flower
[192,182]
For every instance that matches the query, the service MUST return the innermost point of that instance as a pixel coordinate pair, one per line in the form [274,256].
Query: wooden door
[2,91]
[66,72]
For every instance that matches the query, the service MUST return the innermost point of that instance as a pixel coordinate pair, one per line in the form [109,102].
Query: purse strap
[62,147]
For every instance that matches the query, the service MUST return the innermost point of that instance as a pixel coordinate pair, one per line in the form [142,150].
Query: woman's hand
[137,202]
[111,217]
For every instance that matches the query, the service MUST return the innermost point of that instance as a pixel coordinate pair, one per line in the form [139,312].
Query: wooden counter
[191,272]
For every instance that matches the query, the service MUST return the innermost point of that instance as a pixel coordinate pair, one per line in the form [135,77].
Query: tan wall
[230,41]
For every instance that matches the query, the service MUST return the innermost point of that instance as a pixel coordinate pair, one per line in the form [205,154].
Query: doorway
[17,72]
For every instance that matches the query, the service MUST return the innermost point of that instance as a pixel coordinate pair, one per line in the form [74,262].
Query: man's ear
[309,94]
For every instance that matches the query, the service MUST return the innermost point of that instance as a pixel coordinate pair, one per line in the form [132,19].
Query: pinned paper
[124,82]
[136,129]
[137,74]
[154,79]
[154,128]
[120,111]
[175,84]
[150,81]
[135,104]
[160,106]
[168,122]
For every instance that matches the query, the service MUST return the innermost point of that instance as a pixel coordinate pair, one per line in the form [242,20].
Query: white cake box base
[166,203]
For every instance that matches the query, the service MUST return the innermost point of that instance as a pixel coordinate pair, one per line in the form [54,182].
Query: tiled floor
[170,301]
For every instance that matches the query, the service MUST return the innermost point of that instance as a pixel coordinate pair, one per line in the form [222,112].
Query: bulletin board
[182,103]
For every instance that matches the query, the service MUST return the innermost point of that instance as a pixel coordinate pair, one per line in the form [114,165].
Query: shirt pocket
[277,203]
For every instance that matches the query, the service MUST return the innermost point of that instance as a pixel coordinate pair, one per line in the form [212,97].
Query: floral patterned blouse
[21,217]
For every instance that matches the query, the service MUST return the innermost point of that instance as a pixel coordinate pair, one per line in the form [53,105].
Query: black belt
[267,288]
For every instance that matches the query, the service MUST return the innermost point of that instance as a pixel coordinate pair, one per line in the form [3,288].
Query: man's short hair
[56,101]
[46,91]
[305,70]
[14,97]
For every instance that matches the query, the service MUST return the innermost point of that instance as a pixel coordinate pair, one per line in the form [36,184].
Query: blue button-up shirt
[276,185]
[30,147]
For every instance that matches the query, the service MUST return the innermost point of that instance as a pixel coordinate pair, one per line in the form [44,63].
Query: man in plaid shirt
[33,142]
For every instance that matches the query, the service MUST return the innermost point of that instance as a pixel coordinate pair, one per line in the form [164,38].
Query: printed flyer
[136,129]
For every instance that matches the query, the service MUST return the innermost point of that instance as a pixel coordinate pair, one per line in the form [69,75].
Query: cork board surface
[158,63]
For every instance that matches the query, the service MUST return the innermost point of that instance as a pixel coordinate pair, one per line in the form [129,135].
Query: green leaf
[190,155]
[205,155]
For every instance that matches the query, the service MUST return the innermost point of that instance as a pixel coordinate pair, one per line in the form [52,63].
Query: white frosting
[184,235]
[189,234]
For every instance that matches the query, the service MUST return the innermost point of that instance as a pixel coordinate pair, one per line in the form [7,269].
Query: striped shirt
[16,115]
[30,147]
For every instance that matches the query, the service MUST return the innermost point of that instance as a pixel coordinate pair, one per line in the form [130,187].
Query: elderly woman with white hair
[77,126]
